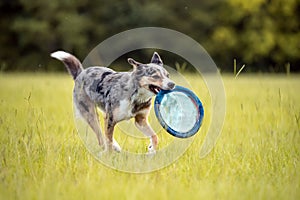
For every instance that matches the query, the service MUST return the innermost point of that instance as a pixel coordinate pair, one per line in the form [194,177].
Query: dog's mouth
[154,89]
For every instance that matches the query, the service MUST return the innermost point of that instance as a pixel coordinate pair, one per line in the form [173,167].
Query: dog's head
[152,76]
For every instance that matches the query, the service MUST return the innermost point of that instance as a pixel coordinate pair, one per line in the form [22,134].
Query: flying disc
[179,111]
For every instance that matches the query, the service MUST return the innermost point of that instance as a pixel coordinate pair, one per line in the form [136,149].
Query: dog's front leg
[109,131]
[142,124]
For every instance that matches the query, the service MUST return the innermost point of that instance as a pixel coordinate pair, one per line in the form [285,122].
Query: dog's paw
[116,147]
[151,150]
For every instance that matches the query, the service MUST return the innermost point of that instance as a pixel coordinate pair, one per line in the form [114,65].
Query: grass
[256,157]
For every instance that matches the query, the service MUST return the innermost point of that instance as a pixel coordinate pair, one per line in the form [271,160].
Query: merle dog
[120,95]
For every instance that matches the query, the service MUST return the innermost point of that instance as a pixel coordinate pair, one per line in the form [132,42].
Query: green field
[256,157]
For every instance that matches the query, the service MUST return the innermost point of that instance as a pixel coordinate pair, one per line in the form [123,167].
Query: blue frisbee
[179,111]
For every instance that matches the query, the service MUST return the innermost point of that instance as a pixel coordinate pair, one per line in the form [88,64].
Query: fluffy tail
[72,64]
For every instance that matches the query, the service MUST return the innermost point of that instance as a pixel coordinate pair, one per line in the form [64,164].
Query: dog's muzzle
[171,85]
[155,89]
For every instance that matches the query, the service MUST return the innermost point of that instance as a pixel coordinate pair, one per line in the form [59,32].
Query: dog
[120,95]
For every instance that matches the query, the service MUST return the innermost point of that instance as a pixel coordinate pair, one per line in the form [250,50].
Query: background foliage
[263,34]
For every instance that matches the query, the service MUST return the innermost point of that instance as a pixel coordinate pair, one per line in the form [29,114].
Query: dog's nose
[171,85]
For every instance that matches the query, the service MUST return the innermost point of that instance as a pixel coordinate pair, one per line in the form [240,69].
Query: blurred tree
[263,34]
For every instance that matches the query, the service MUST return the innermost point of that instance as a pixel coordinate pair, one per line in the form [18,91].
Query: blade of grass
[240,71]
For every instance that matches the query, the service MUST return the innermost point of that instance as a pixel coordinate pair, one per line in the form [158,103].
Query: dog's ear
[156,59]
[134,63]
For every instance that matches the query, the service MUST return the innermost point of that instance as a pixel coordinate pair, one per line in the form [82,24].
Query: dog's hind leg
[142,124]
[87,110]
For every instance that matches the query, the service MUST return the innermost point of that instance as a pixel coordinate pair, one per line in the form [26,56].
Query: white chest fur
[123,112]
[126,106]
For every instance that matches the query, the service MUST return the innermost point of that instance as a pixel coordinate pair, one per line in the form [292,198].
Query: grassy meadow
[256,157]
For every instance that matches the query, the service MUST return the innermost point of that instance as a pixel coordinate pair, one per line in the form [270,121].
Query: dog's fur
[120,95]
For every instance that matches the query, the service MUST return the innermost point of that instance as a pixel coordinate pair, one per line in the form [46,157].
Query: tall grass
[256,157]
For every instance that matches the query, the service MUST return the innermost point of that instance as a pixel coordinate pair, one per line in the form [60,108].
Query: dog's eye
[168,75]
[155,77]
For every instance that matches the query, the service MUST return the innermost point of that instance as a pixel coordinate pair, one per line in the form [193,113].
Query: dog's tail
[72,64]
